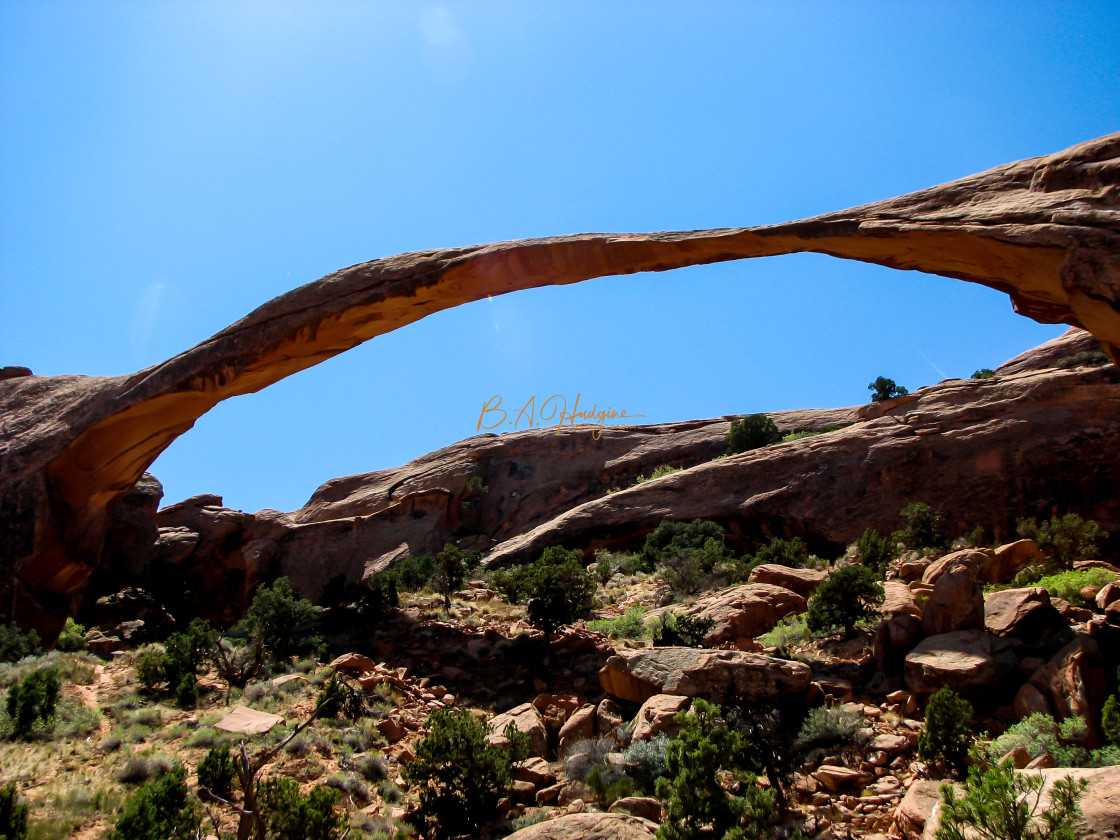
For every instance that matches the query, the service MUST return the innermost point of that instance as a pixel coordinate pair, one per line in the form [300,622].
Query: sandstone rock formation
[740,613]
[715,675]
[1045,231]
[968,661]
[589,827]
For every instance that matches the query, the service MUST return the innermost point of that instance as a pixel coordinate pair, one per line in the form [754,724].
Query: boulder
[645,807]
[578,727]
[525,719]
[1100,806]
[1107,594]
[1028,701]
[534,770]
[1014,557]
[972,560]
[968,661]
[957,603]
[743,612]
[593,826]
[899,599]
[802,581]
[354,662]
[894,638]
[608,716]
[637,675]
[916,808]
[1074,681]
[1026,614]
[839,779]
[656,716]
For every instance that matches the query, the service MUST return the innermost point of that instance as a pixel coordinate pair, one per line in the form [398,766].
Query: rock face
[968,661]
[1023,613]
[956,603]
[1101,803]
[589,827]
[802,581]
[714,675]
[1045,231]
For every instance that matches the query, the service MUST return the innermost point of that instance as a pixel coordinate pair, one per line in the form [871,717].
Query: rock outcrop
[1045,231]
[594,826]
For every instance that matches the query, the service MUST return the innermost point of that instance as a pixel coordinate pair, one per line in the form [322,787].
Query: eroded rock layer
[1045,231]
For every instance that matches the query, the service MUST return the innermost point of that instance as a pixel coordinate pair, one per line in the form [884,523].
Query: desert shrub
[341,698]
[15,644]
[290,815]
[160,810]
[1000,804]
[846,596]
[414,573]
[151,665]
[948,730]
[452,567]
[647,761]
[606,792]
[1064,740]
[239,660]
[373,768]
[663,470]
[828,726]
[751,432]
[13,813]
[1068,585]
[1085,357]
[698,760]
[923,527]
[73,717]
[789,631]
[782,552]
[769,735]
[686,570]
[186,692]
[277,616]
[349,785]
[186,651]
[1064,540]
[1110,719]
[31,703]
[559,589]
[884,389]
[458,774]
[670,539]
[629,625]
[216,772]
[875,552]
[680,630]
[141,768]
[72,637]
[983,373]
[588,754]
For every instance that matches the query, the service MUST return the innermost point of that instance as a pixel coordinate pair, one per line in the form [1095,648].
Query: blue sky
[167,167]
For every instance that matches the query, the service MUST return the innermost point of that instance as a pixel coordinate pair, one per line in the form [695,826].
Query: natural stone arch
[1046,231]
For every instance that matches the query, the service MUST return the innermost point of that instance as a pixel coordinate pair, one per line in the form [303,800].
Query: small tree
[948,732]
[13,813]
[33,700]
[677,538]
[1065,540]
[793,553]
[923,527]
[16,644]
[1001,804]
[72,637]
[697,760]
[875,552]
[844,597]
[751,432]
[216,772]
[452,567]
[984,373]
[290,815]
[275,614]
[560,589]
[160,810]
[885,389]
[459,775]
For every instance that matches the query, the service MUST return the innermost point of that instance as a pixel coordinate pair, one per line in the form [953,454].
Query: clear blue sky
[167,167]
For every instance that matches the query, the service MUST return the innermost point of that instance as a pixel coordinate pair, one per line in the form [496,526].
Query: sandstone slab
[968,661]
[656,716]
[802,581]
[594,826]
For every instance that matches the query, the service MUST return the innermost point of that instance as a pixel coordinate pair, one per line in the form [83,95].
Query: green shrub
[186,651]
[589,754]
[72,637]
[846,596]
[458,774]
[923,527]
[452,567]
[790,630]
[751,432]
[984,373]
[559,589]
[13,813]
[216,772]
[647,761]
[629,625]
[160,810]
[607,792]
[1065,741]
[793,553]
[697,762]
[1000,804]
[828,726]
[1085,357]
[276,614]
[1110,720]
[663,470]
[186,692]
[685,571]
[885,389]
[948,730]
[289,815]
[151,666]
[32,702]
[875,552]
[1066,539]
[681,630]
[415,573]
[15,644]
[671,539]
[1068,585]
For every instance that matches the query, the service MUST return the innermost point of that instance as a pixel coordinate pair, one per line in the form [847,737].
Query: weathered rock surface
[956,603]
[802,581]
[1048,354]
[894,639]
[656,716]
[1044,230]
[916,807]
[968,661]
[1024,613]
[714,675]
[743,612]
[899,599]
[1074,681]
[526,720]
[592,826]
[1101,803]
